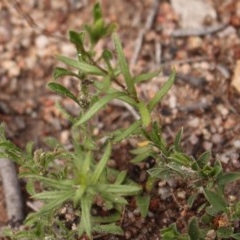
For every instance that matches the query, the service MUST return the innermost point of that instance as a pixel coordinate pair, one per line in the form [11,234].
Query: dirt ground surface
[205,99]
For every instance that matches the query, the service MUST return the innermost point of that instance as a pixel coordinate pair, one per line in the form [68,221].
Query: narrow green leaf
[125,97]
[177,141]
[124,66]
[7,145]
[141,157]
[30,148]
[144,113]
[193,229]
[97,12]
[78,194]
[56,202]
[203,160]
[165,88]
[82,66]
[122,189]
[110,228]
[113,198]
[218,170]
[61,72]
[53,183]
[77,39]
[30,187]
[127,132]
[191,200]
[51,195]
[156,137]
[159,172]
[87,163]
[181,158]
[85,216]
[143,204]
[107,55]
[146,76]
[102,164]
[217,201]
[178,168]
[97,106]
[150,184]
[60,89]
[141,150]
[228,177]
[52,142]
[236,236]
[108,219]
[64,112]
[120,177]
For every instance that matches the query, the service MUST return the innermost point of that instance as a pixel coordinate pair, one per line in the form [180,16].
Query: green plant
[202,178]
[85,181]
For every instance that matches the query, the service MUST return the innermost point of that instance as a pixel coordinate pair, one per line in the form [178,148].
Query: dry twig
[147,27]
[12,192]
[199,32]
[203,105]
[17,6]
[119,103]
[186,60]
[192,80]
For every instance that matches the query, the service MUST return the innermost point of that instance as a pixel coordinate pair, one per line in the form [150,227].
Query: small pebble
[172,101]
[229,123]
[20,123]
[194,43]
[193,139]
[216,138]
[232,198]
[181,195]
[236,163]
[41,41]
[150,214]
[207,145]
[224,158]
[12,68]
[186,68]
[162,183]
[211,235]
[204,65]
[64,137]
[111,163]
[236,144]
[223,110]
[164,193]
[194,122]
[217,121]
[172,182]
[68,49]
[131,216]
[4,108]
[5,35]
[207,134]
[128,235]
